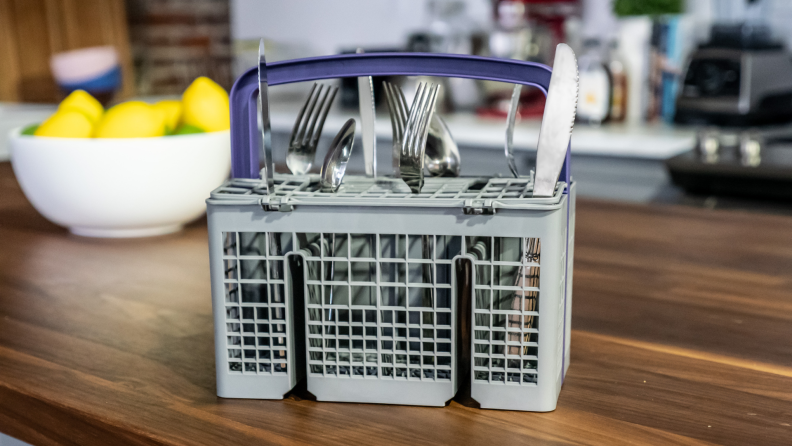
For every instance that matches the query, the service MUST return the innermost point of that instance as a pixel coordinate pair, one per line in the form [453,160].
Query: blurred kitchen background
[680,101]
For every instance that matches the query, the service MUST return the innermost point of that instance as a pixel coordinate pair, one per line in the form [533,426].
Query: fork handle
[244,149]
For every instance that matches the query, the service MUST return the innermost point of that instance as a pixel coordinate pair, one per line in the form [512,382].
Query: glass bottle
[594,92]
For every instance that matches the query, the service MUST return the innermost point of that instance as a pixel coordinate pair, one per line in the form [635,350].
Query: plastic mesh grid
[357,190]
[255,302]
[561,316]
[506,309]
[379,305]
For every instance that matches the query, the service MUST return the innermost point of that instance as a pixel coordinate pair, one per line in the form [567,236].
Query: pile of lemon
[202,108]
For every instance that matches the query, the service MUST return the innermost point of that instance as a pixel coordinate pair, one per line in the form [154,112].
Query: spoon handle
[515,101]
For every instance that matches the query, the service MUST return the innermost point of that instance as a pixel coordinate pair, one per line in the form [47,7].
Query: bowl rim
[16,133]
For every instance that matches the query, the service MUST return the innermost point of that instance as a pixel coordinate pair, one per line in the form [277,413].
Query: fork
[308,128]
[397,107]
[411,162]
[411,155]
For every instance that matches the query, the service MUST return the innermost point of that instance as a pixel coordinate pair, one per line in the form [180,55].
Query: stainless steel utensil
[337,157]
[411,157]
[557,121]
[308,128]
[527,276]
[398,110]
[263,121]
[442,154]
[515,101]
[367,118]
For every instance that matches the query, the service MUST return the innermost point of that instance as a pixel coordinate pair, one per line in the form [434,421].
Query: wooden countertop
[682,333]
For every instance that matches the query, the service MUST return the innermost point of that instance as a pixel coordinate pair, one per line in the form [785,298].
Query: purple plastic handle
[244,148]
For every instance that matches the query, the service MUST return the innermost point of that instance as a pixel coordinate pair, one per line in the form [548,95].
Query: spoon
[442,154]
[515,101]
[337,157]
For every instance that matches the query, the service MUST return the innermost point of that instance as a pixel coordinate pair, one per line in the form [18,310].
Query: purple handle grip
[245,150]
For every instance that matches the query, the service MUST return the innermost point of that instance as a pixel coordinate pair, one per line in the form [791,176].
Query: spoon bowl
[337,157]
[442,154]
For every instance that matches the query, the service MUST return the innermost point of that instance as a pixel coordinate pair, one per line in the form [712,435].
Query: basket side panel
[540,395]
[240,328]
[570,264]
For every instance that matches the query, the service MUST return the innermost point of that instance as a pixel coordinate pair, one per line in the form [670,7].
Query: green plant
[647,7]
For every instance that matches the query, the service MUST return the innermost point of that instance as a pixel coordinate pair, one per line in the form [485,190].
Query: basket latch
[275,204]
[478,207]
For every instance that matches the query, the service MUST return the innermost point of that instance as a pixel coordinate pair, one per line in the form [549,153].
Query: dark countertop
[681,334]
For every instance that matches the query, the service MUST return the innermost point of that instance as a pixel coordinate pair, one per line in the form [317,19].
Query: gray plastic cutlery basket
[377,295]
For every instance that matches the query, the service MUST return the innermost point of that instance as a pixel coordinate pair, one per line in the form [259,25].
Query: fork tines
[397,107]
[413,144]
[308,128]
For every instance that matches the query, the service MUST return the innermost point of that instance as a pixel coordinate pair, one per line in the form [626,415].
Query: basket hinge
[478,207]
[275,204]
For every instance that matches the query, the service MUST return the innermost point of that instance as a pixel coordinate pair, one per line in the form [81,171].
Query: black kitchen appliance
[741,77]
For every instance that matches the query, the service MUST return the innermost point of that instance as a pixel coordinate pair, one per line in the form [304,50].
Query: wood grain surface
[682,334]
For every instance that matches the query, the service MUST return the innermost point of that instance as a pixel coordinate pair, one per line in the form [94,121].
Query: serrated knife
[262,105]
[367,117]
[557,121]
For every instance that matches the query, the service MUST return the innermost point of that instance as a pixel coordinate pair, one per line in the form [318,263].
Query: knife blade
[367,117]
[265,133]
[557,121]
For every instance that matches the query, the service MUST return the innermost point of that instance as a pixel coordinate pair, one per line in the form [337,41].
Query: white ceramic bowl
[133,187]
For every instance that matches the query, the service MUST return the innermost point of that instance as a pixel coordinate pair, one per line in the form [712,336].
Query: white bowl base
[125,233]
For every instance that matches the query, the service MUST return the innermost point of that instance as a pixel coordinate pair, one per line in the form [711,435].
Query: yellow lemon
[82,101]
[66,124]
[133,119]
[172,110]
[206,106]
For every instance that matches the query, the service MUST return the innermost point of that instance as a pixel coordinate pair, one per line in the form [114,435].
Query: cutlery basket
[378,295]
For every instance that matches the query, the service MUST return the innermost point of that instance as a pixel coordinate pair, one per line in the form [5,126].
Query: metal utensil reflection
[411,156]
[338,154]
[308,129]
[441,155]
[512,116]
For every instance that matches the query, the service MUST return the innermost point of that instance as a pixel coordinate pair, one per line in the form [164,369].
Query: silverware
[527,276]
[557,121]
[263,121]
[515,101]
[411,157]
[398,110]
[442,154]
[337,157]
[367,118]
[308,128]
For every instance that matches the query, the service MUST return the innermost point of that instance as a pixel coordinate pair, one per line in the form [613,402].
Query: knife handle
[245,150]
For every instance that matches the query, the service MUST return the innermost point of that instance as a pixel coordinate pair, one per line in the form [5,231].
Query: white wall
[325,27]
